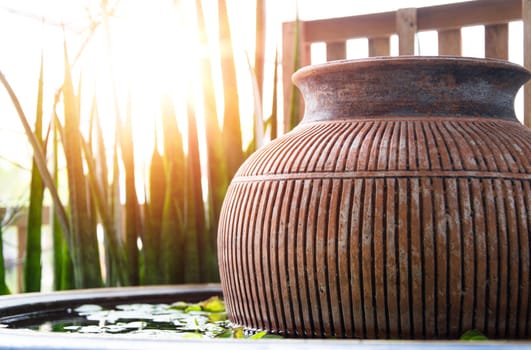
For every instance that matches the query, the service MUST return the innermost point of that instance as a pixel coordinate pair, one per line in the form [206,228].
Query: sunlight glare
[149,60]
[151,52]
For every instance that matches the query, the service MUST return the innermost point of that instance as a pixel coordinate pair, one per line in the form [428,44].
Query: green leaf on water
[226,334]
[238,333]
[180,305]
[258,335]
[193,336]
[193,307]
[272,336]
[205,319]
[214,304]
[473,334]
[217,316]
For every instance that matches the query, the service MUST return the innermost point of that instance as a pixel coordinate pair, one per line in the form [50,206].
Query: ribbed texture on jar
[382,228]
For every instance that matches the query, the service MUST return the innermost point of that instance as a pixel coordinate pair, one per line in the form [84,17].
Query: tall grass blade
[97,178]
[172,240]
[97,174]
[197,247]
[232,134]
[217,167]
[115,232]
[154,209]
[84,246]
[133,224]
[172,235]
[39,157]
[62,261]
[100,155]
[32,263]
[63,266]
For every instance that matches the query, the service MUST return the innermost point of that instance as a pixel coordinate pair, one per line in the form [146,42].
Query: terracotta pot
[400,207]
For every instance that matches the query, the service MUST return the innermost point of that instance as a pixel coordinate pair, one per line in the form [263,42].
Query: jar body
[405,224]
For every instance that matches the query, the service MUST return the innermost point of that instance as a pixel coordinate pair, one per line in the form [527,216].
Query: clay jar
[400,207]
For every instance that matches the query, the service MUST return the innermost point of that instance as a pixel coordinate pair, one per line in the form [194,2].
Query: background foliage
[112,229]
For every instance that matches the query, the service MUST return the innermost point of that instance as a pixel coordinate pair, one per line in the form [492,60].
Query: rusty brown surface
[367,225]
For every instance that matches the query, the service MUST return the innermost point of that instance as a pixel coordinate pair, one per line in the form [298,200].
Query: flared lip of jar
[374,62]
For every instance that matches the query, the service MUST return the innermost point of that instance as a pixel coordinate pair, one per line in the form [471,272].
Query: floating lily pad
[206,319]
[88,309]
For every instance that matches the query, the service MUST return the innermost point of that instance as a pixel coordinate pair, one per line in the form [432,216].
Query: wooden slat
[497,41]
[336,51]
[526,14]
[479,12]
[344,28]
[450,42]
[406,28]
[445,19]
[21,218]
[451,16]
[20,223]
[379,47]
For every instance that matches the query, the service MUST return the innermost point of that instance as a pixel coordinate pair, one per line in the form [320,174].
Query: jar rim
[360,63]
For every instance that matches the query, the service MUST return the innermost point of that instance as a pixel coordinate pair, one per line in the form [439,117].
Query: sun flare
[147,53]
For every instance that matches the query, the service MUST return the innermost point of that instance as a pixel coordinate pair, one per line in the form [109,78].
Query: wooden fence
[447,20]
[19,222]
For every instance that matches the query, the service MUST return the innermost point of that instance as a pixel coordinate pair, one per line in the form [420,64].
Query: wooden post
[406,27]
[450,42]
[288,60]
[336,51]
[497,41]
[260,44]
[526,17]
[22,239]
[290,45]
[379,47]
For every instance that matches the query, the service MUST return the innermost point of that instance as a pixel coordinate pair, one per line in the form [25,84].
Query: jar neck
[410,87]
